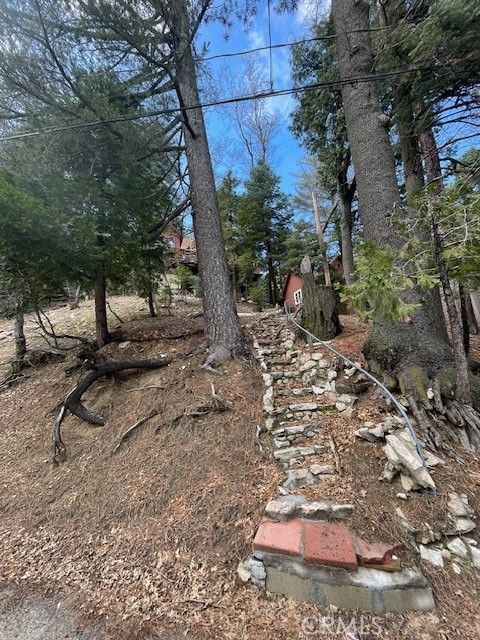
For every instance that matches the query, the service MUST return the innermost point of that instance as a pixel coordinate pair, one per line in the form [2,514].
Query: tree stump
[320,305]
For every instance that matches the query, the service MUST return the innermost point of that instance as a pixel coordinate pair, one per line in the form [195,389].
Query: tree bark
[101,320]
[222,327]
[20,342]
[319,305]
[410,352]
[346,193]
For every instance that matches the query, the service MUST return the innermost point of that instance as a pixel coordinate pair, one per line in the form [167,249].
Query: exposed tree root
[436,410]
[126,435]
[73,401]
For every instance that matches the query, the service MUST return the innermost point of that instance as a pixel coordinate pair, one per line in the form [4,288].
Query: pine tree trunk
[411,352]
[222,327]
[101,320]
[20,342]
[151,303]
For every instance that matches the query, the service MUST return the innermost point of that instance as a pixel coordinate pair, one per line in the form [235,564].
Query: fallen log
[73,401]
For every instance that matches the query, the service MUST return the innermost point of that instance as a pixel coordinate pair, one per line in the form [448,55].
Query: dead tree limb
[73,401]
[109,307]
[126,435]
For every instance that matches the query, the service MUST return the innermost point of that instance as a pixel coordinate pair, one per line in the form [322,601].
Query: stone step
[298,453]
[298,478]
[297,391]
[278,375]
[303,407]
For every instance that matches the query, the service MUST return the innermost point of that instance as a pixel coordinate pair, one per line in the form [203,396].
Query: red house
[292,289]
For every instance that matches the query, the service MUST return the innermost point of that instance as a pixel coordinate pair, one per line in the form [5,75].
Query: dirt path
[35,618]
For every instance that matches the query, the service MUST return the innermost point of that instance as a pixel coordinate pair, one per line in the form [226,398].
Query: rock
[322,469]
[461,526]
[268,401]
[432,460]
[402,496]
[475,554]
[311,364]
[389,473]
[457,506]
[431,555]
[317,390]
[340,406]
[342,511]
[242,572]
[281,510]
[331,374]
[408,459]
[267,379]
[296,499]
[284,455]
[269,424]
[256,570]
[316,510]
[298,478]
[124,345]
[304,406]
[407,482]
[457,569]
[458,548]
[366,434]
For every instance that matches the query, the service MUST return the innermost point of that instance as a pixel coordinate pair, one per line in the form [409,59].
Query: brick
[377,553]
[279,537]
[287,584]
[329,543]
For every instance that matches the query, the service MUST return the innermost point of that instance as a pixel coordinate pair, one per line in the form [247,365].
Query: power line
[335,84]
[280,45]
[270,44]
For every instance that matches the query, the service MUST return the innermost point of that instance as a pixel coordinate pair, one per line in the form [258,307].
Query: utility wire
[270,44]
[336,84]
[280,45]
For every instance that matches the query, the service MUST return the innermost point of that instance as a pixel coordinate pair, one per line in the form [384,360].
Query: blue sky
[225,143]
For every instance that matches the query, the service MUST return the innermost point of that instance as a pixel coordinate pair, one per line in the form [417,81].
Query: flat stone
[296,499]
[342,511]
[409,459]
[124,345]
[456,568]
[281,510]
[461,526]
[329,543]
[320,510]
[456,506]
[458,548]
[304,406]
[318,390]
[298,478]
[285,455]
[322,469]
[340,406]
[475,553]
[431,555]
[279,537]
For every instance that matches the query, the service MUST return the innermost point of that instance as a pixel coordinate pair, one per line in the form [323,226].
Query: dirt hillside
[144,542]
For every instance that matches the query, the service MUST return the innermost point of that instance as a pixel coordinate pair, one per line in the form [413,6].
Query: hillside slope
[145,542]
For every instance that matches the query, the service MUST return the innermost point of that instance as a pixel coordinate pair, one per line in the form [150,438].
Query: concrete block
[287,584]
[346,597]
[403,600]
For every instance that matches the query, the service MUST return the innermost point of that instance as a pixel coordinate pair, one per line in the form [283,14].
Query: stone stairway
[306,549]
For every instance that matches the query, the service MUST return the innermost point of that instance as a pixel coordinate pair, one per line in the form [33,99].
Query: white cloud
[309,11]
